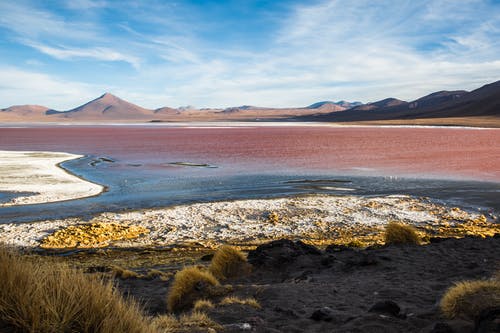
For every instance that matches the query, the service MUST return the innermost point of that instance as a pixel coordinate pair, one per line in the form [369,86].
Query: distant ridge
[385,103]
[334,106]
[482,102]
[460,106]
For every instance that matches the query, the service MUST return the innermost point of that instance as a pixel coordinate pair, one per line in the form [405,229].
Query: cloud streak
[97,53]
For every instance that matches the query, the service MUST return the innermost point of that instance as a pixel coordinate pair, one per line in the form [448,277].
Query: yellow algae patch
[91,235]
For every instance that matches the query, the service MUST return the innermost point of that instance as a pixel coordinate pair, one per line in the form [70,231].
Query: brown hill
[107,107]
[21,112]
[442,107]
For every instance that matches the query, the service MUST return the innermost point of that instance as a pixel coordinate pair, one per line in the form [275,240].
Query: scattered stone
[323,314]
[337,248]
[278,253]
[207,257]
[238,326]
[441,328]
[286,312]
[357,258]
[488,321]
[386,307]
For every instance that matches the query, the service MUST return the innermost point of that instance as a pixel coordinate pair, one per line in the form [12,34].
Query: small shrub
[194,322]
[229,262]
[244,301]
[399,233]
[154,274]
[124,274]
[273,218]
[190,284]
[39,296]
[467,299]
[203,304]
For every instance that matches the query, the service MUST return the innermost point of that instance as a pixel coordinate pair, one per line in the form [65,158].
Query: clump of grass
[244,301]
[194,322]
[203,304]
[154,273]
[273,218]
[123,273]
[189,285]
[400,233]
[39,296]
[355,243]
[229,262]
[467,299]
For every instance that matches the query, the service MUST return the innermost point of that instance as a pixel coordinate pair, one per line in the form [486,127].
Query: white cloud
[43,89]
[29,22]
[97,53]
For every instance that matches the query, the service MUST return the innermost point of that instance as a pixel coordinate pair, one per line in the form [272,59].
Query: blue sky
[226,53]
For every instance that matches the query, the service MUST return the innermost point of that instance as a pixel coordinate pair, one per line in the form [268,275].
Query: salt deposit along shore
[317,219]
[40,179]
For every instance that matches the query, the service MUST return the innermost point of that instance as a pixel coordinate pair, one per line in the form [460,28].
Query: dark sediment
[386,289]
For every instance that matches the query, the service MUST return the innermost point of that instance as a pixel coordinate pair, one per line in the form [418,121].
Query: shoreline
[317,219]
[241,124]
[41,173]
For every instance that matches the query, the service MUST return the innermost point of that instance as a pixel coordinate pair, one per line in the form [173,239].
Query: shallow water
[150,166]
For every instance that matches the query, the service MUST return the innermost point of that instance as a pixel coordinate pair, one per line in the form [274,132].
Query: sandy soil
[40,179]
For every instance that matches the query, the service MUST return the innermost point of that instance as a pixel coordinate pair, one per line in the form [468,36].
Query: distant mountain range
[442,107]
[478,107]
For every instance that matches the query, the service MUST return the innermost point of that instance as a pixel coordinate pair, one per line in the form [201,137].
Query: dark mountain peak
[384,103]
[437,98]
[388,102]
[442,94]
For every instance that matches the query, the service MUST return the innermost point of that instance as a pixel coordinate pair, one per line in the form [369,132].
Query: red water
[437,152]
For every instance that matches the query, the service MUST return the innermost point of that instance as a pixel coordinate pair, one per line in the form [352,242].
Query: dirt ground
[303,289]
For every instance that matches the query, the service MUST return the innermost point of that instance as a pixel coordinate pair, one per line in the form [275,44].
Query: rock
[337,248]
[237,327]
[441,328]
[323,314]
[488,321]
[286,312]
[328,260]
[207,257]
[360,258]
[386,307]
[278,253]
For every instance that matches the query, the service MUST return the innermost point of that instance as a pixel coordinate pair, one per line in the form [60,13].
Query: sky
[221,53]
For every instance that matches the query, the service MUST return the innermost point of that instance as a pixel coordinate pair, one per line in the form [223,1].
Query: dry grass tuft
[229,262]
[399,233]
[203,304]
[91,235]
[189,285]
[123,273]
[154,273]
[39,296]
[244,301]
[467,299]
[355,243]
[273,218]
[194,322]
